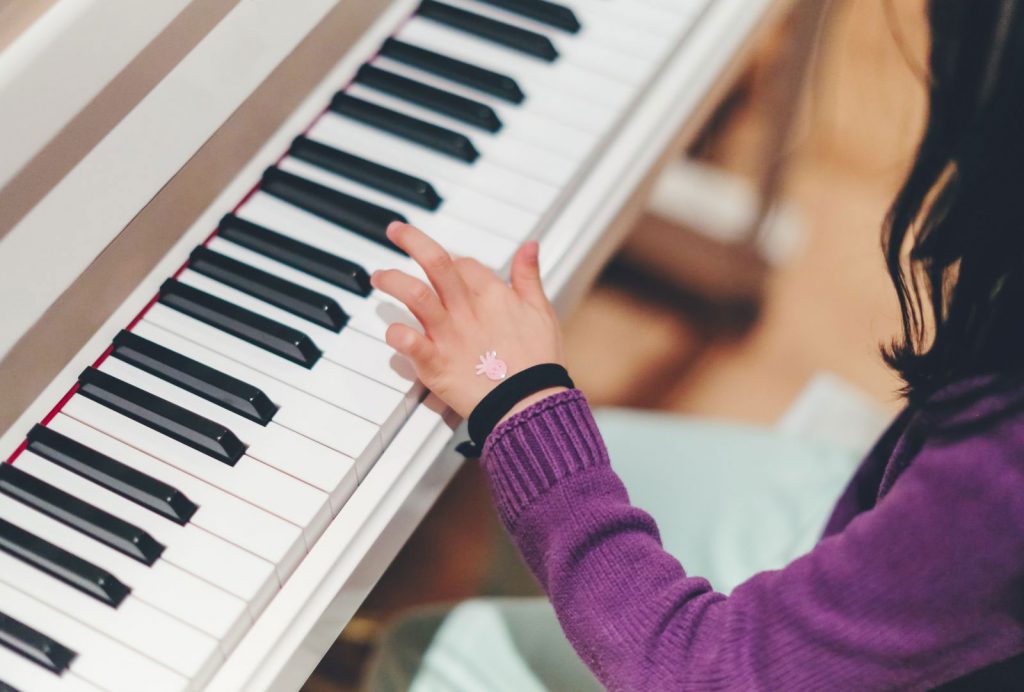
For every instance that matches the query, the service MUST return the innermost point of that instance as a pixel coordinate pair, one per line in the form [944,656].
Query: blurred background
[743,339]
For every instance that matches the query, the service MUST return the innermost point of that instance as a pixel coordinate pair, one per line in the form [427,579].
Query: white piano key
[286,219]
[656,20]
[189,547]
[319,418]
[289,452]
[670,5]
[488,213]
[167,588]
[627,63]
[379,361]
[568,78]
[528,193]
[499,147]
[99,659]
[312,417]
[518,120]
[364,313]
[569,110]
[221,513]
[684,8]
[611,32]
[608,28]
[614,61]
[375,400]
[250,480]
[458,237]
[135,624]
[621,26]
[26,676]
[374,389]
[267,210]
[326,380]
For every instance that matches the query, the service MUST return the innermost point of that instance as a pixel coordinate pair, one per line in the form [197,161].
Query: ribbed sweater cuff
[534,450]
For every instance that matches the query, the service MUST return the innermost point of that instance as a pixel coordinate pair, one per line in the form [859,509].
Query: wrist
[513,394]
[531,399]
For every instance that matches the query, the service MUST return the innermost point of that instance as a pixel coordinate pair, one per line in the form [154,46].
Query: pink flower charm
[491,366]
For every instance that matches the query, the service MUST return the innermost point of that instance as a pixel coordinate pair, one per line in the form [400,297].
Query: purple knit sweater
[918,581]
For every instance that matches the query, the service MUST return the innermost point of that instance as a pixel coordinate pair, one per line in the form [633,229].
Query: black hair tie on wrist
[500,400]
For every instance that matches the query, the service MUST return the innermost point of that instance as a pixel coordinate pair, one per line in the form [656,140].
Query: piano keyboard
[152,516]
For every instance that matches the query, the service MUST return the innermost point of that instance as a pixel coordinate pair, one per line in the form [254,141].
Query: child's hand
[468,312]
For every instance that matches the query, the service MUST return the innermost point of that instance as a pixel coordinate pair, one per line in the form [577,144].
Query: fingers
[414,346]
[414,294]
[526,274]
[434,259]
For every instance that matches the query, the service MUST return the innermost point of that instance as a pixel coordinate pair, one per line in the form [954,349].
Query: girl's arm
[923,588]
[917,592]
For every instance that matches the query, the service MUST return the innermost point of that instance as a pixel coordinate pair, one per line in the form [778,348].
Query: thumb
[526,274]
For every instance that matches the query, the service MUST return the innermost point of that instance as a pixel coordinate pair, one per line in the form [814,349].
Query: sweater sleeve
[920,590]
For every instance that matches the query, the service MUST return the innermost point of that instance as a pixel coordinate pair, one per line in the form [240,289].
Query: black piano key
[7,687]
[368,220]
[34,645]
[298,300]
[550,13]
[388,180]
[281,340]
[59,563]
[81,516]
[440,139]
[213,385]
[514,37]
[105,472]
[478,78]
[467,110]
[314,261]
[203,434]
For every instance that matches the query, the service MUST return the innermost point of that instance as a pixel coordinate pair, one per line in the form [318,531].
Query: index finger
[434,259]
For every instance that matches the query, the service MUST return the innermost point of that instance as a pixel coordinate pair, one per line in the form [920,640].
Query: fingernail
[392,228]
[533,250]
[373,278]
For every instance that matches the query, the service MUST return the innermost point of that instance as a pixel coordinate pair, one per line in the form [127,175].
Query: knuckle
[494,290]
[526,268]
[437,262]
[422,350]
[420,294]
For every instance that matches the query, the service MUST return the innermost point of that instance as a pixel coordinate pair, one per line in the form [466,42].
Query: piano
[211,453]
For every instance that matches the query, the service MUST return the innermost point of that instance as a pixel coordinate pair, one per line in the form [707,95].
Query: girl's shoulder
[975,404]
[973,420]
[984,414]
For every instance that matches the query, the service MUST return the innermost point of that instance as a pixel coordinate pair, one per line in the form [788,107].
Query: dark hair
[954,236]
